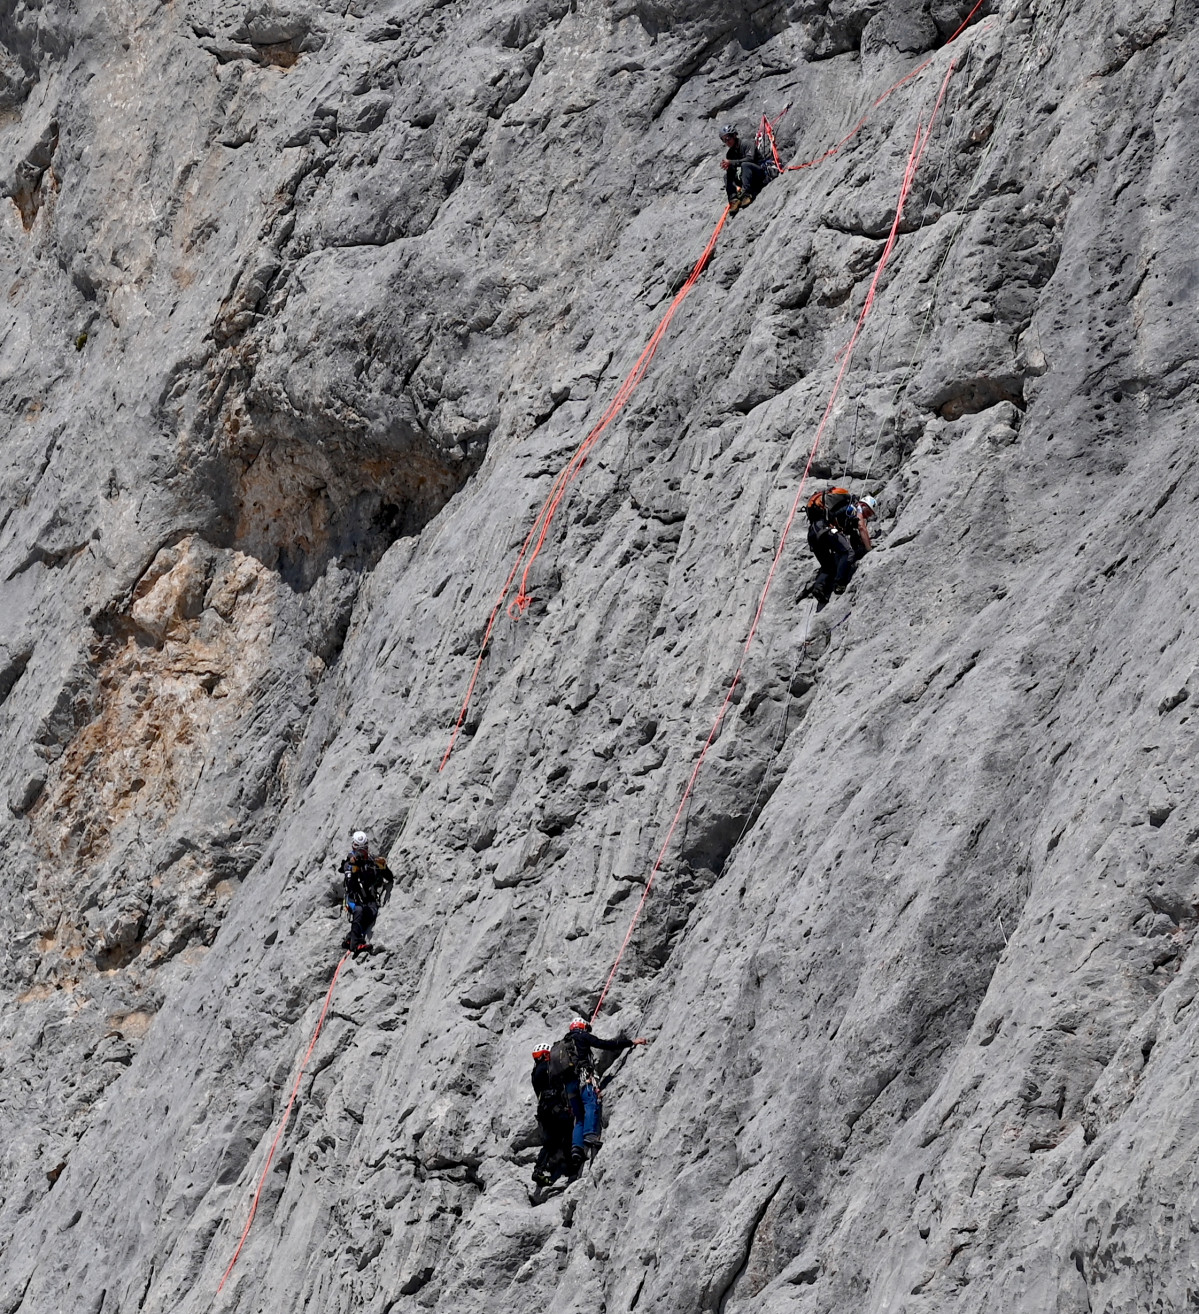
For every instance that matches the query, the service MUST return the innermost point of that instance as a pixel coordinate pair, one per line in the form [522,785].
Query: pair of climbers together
[569,1101]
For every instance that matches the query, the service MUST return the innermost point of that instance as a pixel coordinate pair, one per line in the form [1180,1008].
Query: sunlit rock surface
[304,308]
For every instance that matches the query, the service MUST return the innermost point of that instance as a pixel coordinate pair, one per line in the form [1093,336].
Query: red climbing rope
[283,1121]
[566,476]
[541,525]
[874,104]
[916,154]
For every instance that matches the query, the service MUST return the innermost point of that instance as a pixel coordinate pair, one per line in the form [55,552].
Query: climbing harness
[291,1099]
[915,155]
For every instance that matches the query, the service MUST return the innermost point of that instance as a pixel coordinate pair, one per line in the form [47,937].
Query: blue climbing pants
[585,1109]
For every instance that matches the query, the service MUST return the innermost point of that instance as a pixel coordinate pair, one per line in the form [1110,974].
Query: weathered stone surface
[305,306]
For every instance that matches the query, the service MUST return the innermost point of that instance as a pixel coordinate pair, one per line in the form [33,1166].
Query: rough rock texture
[304,306]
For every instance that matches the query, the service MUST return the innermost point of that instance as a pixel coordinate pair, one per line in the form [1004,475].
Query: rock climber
[744,169]
[839,537]
[556,1122]
[571,1059]
[368,881]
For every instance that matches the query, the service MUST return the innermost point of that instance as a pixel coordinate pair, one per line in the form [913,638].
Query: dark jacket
[744,167]
[741,152]
[553,1109]
[584,1042]
[367,880]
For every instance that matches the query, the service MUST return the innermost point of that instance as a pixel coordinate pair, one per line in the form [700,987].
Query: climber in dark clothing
[556,1122]
[581,1085]
[744,168]
[368,881]
[839,538]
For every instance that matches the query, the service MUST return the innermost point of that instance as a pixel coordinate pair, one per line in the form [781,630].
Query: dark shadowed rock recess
[304,306]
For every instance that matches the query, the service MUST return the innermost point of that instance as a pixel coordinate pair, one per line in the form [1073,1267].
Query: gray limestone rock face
[305,308]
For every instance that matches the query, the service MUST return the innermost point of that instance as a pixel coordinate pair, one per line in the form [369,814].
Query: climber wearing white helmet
[368,881]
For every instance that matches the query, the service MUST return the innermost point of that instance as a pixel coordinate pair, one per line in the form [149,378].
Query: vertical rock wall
[304,309]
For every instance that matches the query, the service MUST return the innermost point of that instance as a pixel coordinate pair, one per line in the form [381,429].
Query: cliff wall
[305,306]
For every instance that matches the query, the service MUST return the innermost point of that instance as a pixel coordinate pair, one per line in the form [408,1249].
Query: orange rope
[914,157]
[874,104]
[283,1123]
[566,476]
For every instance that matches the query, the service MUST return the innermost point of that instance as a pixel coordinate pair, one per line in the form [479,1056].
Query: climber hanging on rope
[744,169]
[368,881]
[839,539]
[571,1061]
[557,1126]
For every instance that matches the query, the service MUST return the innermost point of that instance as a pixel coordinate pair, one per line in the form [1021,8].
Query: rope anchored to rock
[915,155]
[538,533]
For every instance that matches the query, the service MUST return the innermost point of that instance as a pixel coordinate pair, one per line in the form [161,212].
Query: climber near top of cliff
[571,1060]
[839,538]
[368,881]
[556,1121]
[744,166]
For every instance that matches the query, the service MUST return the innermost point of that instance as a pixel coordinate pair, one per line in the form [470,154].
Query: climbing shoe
[734,205]
[345,944]
[747,200]
[593,1140]
[577,1155]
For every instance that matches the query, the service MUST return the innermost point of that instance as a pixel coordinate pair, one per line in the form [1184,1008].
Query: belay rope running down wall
[919,146]
[536,537]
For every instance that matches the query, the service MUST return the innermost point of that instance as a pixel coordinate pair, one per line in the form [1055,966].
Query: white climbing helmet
[358,841]
[578,1024]
[871,504]
[541,1049]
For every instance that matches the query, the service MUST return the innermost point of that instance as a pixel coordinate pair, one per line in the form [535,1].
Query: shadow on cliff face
[297,506]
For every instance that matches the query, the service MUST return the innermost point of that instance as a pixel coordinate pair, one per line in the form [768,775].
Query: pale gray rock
[305,306]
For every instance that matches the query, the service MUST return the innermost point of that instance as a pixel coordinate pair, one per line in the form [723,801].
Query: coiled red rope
[916,154]
[283,1121]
